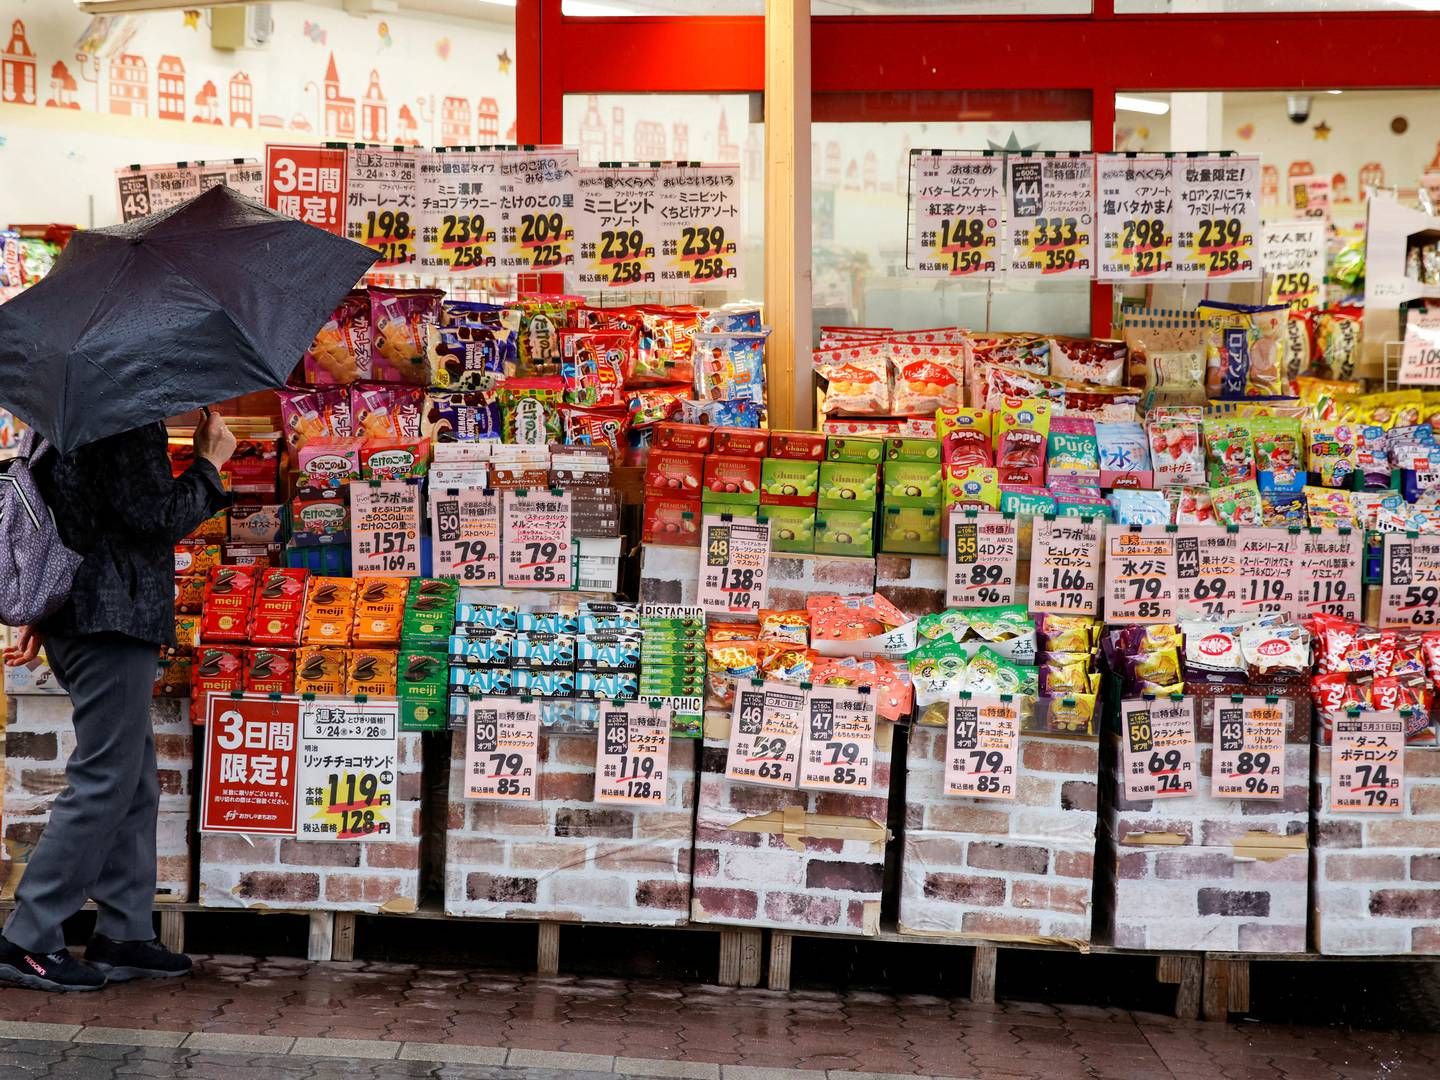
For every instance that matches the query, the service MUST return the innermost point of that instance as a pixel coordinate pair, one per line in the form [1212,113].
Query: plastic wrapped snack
[927,378]
[1244,349]
[730,366]
[1177,454]
[400,321]
[858,378]
[1338,341]
[340,353]
[1089,360]
[594,365]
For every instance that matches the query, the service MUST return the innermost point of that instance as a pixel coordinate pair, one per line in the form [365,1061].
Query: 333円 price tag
[982,741]
[1410,581]
[838,751]
[734,565]
[1217,217]
[699,226]
[385,528]
[466,525]
[349,766]
[633,759]
[983,559]
[538,548]
[1065,566]
[616,218]
[1367,763]
[502,749]
[1248,761]
[766,731]
[380,203]
[1140,581]
[1158,748]
[957,202]
[1135,201]
[1052,216]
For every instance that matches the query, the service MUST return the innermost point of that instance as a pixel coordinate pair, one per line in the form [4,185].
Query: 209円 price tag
[1367,763]
[1410,581]
[1065,566]
[983,559]
[539,550]
[632,762]
[536,216]
[982,741]
[466,525]
[766,730]
[502,749]
[1248,761]
[1158,748]
[734,565]
[838,750]
[385,528]
[349,769]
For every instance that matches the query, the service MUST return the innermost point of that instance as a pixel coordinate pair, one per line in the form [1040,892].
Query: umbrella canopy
[214,298]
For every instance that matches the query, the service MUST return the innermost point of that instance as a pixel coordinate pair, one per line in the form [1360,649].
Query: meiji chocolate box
[424,686]
[270,671]
[321,670]
[841,448]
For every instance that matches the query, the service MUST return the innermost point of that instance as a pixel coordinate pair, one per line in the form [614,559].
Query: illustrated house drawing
[339,111]
[487,129]
[242,101]
[376,114]
[62,88]
[17,68]
[207,103]
[170,88]
[455,121]
[129,85]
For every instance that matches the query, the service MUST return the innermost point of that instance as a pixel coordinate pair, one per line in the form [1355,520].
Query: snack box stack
[585,472]
[672,661]
[845,504]
[789,492]
[608,651]
[911,519]
[423,668]
[244,638]
[679,474]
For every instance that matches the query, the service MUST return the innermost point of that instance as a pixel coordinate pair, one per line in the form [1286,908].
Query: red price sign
[982,742]
[1158,748]
[1367,763]
[502,749]
[249,781]
[1249,752]
[308,183]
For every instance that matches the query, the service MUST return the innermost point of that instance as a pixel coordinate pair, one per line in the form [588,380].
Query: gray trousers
[99,843]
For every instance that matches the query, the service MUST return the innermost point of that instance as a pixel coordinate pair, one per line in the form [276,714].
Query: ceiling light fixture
[1126,103]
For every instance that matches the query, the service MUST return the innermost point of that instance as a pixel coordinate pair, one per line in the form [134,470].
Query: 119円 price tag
[633,760]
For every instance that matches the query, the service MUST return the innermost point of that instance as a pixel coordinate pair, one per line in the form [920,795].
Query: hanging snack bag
[1167,354]
[594,365]
[1089,360]
[1279,459]
[1072,449]
[858,377]
[462,417]
[314,414]
[1176,451]
[1230,450]
[1338,341]
[730,366]
[1237,504]
[1330,450]
[539,339]
[927,378]
[340,353]
[653,405]
[530,410]
[386,412]
[609,428]
[465,357]
[1124,456]
[1299,345]
[400,321]
[667,336]
[1244,349]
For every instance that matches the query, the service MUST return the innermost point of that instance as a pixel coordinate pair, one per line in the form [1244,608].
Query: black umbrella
[214,298]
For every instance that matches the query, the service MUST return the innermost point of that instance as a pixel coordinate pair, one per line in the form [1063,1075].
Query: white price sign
[380,203]
[1367,763]
[1158,748]
[1051,231]
[1420,354]
[734,565]
[957,202]
[616,228]
[1135,203]
[536,218]
[699,226]
[1248,761]
[385,528]
[983,559]
[766,731]
[1294,259]
[1217,217]
[456,202]
[838,751]
[632,761]
[502,749]
[539,549]
[148,189]
[349,764]
[465,523]
[982,744]
[1065,566]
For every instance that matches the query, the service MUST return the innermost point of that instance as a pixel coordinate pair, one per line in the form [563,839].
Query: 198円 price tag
[1410,581]
[633,759]
[839,744]
[766,729]
[539,549]
[1367,763]
[466,524]
[983,559]
[349,761]
[380,210]
[982,741]
[502,749]
[1248,761]
[1065,566]
[1158,748]
[734,565]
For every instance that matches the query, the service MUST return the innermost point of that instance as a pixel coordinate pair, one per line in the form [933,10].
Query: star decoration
[1322,131]
[192,18]
[503,59]
[1011,145]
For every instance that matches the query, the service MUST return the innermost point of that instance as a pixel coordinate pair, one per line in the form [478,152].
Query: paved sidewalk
[257,1018]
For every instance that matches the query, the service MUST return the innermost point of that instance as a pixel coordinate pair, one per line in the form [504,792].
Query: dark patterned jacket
[117,505]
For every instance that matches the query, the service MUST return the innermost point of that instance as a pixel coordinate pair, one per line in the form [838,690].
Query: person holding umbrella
[210,300]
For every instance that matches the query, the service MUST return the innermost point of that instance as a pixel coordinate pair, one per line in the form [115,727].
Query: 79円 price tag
[839,740]
[982,742]
[539,548]
[1367,763]
[466,524]
[502,749]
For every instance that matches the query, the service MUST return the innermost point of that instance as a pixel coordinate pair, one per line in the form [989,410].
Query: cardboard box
[847,485]
[792,528]
[845,448]
[784,482]
[740,442]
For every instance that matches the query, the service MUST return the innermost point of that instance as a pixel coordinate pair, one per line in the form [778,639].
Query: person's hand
[26,647]
[214,441]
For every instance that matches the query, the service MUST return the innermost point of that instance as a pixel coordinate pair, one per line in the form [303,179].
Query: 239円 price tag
[734,565]
[1329,576]
[349,769]
[1410,581]
[456,193]
[957,202]
[982,741]
[536,215]
[380,203]
[983,559]
[502,749]
[1135,202]
[1158,748]
[616,217]
[632,763]
[1367,763]
[539,550]
[838,750]
[1051,229]
[1140,581]
[385,528]
[1217,217]
[699,225]
[1248,761]
[1065,565]
[766,730]
[466,531]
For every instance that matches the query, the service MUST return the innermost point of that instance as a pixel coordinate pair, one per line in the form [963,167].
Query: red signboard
[307,182]
[249,784]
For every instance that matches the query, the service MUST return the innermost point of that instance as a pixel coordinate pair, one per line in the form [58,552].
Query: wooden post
[787,211]
[982,974]
[781,949]
[1183,972]
[1239,986]
[343,945]
[322,935]
[1215,991]
[172,927]
[740,957]
[547,949]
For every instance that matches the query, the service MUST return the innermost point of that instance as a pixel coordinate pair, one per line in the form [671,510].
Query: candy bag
[858,378]
[1279,461]
[1177,455]
[314,414]
[1089,360]
[539,341]
[400,321]
[1072,449]
[594,365]
[655,404]
[1237,504]
[1021,430]
[1230,449]
[530,410]
[1338,341]
[927,378]
[597,427]
[1124,456]
[730,366]
[340,353]
[1330,449]
[1244,349]
[1192,505]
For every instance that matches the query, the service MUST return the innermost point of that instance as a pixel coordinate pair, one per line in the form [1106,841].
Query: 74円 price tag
[502,749]
[1158,748]
[1367,763]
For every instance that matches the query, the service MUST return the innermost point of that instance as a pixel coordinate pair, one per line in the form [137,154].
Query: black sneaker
[58,971]
[121,961]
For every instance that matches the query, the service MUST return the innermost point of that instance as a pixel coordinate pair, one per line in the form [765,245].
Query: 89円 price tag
[1065,566]
[982,742]
[1367,763]
[466,524]
[983,558]
[766,729]
[633,762]
[1249,750]
[1158,745]
[539,549]
[734,565]
[839,745]
[502,749]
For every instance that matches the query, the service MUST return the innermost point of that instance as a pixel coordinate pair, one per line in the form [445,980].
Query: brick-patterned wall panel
[1376,881]
[38,741]
[327,875]
[988,867]
[1203,873]
[671,575]
[566,857]
[758,879]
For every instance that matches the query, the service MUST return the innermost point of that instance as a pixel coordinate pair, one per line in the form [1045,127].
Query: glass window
[1192,7]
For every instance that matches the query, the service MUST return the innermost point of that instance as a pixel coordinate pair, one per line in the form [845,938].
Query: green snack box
[423,681]
[788,483]
[911,449]
[429,612]
[845,532]
[910,530]
[844,449]
[792,528]
[848,485]
[912,483]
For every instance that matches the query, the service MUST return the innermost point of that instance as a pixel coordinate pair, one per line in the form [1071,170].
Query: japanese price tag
[1294,260]
[1135,202]
[616,221]
[1140,576]
[1052,216]
[838,751]
[308,183]
[1410,580]
[1247,570]
[1367,763]
[380,203]
[456,199]
[502,749]
[539,549]
[957,202]
[1158,748]
[983,559]
[385,528]
[250,778]
[466,527]
[1420,353]
[1205,571]
[632,762]
[767,727]
[1065,566]
[1217,217]
[536,215]
[349,765]
[1329,578]
[151,188]
[1248,761]
[699,226]
[1310,196]
[734,565]
[982,743]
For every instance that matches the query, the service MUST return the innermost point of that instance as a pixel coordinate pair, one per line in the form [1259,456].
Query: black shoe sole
[13,976]
[120,973]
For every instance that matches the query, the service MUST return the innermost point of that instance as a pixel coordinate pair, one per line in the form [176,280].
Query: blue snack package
[461,417]
[1140,507]
[730,367]
[731,319]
